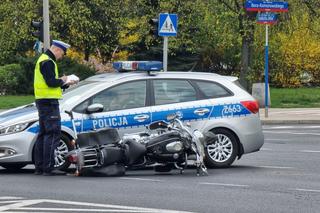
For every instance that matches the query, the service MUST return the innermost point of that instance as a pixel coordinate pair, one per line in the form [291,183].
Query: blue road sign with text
[168,24]
[267,6]
[266,18]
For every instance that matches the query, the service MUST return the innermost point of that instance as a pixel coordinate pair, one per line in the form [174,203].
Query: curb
[290,122]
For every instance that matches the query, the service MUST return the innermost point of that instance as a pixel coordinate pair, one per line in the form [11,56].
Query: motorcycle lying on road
[172,146]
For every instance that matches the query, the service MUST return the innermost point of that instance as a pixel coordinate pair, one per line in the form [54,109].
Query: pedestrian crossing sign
[168,24]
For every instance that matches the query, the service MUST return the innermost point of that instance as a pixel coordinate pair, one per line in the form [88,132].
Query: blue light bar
[122,66]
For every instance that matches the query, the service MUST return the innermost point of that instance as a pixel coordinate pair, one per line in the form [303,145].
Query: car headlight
[15,128]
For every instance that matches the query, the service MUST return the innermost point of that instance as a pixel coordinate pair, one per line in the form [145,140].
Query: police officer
[48,90]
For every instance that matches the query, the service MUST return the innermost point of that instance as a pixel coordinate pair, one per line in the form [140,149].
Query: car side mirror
[93,108]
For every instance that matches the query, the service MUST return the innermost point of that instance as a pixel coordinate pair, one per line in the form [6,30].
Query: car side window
[173,91]
[124,96]
[212,89]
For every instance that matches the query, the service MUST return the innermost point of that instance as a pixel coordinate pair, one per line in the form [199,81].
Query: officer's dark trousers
[49,134]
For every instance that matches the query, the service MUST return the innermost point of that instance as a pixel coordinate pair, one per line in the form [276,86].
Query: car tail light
[252,106]
[73,158]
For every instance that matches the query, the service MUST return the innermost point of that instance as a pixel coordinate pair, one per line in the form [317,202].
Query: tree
[246,29]
[15,34]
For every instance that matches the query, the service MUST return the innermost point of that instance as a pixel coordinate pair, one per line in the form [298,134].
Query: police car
[131,100]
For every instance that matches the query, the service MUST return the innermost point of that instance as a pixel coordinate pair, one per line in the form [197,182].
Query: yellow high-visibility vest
[41,89]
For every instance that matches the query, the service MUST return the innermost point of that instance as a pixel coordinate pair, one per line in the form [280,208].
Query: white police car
[132,100]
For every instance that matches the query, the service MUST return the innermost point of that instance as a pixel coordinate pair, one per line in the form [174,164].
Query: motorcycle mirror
[158,125]
[171,117]
[93,108]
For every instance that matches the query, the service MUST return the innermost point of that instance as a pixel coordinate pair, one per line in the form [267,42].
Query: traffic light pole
[165,53]
[46,32]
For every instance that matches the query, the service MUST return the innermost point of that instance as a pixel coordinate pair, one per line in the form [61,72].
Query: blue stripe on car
[128,121]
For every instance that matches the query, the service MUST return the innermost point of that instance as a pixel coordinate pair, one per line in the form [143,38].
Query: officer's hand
[72,82]
[64,78]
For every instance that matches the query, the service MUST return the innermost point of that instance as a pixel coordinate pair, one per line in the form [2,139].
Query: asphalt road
[282,177]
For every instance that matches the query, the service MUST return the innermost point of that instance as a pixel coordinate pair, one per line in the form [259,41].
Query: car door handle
[141,118]
[201,111]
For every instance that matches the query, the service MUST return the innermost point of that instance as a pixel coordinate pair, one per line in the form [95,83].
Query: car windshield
[74,92]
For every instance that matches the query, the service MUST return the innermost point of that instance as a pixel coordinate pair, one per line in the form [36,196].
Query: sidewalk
[291,116]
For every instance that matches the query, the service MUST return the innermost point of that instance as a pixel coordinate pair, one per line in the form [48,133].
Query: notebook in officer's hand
[72,78]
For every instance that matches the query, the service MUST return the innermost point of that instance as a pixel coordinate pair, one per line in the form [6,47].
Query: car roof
[115,76]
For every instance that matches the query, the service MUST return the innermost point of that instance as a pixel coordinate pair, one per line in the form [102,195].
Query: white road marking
[141,179]
[310,151]
[10,198]
[292,127]
[23,205]
[293,133]
[223,184]
[275,139]
[19,204]
[265,149]
[307,190]
[9,201]
[80,210]
[275,167]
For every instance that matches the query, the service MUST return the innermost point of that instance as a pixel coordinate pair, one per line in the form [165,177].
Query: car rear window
[173,91]
[212,89]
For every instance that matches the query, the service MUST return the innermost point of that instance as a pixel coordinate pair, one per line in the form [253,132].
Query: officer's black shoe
[54,173]
[38,172]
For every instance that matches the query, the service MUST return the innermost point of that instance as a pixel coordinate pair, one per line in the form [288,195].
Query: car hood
[20,114]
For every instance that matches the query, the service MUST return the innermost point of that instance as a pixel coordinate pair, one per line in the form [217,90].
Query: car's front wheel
[60,152]
[222,152]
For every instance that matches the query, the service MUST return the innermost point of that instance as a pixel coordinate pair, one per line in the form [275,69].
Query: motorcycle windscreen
[98,137]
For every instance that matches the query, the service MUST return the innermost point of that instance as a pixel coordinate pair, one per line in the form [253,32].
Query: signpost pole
[269,7]
[46,33]
[165,53]
[266,71]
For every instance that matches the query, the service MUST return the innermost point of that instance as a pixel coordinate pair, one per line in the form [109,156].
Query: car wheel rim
[60,152]
[221,150]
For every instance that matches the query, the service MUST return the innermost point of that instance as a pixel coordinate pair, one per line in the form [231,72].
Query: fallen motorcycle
[165,145]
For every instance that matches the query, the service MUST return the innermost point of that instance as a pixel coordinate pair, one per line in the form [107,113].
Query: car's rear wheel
[60,152]
[13,167]
[222,152]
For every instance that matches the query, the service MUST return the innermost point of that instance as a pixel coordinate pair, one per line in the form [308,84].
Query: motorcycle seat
[98,137]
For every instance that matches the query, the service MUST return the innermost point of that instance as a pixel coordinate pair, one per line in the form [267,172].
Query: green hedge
[9,78]
[17,78]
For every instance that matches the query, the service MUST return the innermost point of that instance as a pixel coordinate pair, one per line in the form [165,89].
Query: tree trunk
[246,26]
[86,54]
[246,55]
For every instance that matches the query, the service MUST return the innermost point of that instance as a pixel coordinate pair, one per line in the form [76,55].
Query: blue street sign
[266,18]
[267,6]
[168,24]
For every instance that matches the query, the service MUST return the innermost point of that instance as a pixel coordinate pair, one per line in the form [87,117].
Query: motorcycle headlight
[19,127]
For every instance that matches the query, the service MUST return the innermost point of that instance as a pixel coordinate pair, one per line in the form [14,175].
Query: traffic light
[38,26]
[154,22]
